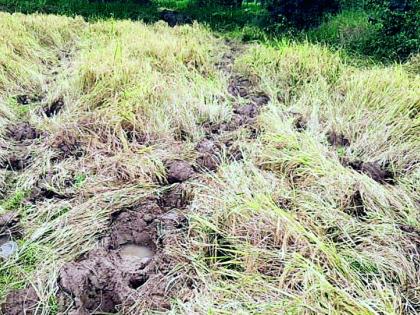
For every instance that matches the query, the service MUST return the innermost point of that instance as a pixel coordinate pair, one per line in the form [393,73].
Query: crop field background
[226,165]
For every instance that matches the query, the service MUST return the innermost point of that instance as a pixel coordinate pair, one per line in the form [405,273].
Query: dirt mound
[23,131]
[250,110]
[20,302]
[54,108]
[178,171]
[130,267]
[374,170]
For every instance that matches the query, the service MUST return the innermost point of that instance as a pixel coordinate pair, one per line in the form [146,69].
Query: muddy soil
[16,162]
[131,266]
[132,262]
[177,197]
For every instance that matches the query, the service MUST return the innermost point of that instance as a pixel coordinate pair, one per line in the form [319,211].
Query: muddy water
[131,250]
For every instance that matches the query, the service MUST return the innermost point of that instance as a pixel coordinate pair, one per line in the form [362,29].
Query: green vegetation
[313,205]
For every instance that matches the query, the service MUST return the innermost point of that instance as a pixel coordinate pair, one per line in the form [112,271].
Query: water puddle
[131,250]
[7,247]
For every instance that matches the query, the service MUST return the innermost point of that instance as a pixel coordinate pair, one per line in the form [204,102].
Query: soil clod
[15,163]
[240,86]
[260,99]
[68,146]
[20,302]
[179,171]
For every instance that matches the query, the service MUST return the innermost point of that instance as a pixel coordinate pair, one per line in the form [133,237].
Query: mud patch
[177,197]
[337,139]
[131,267]
[16,162]
[374,170]
[178,171]
[23,131]
[208,154]
[240,86]
[20,302]
[67,146]
[54,108]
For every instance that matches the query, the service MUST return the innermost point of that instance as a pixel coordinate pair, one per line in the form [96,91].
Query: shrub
[300,13]
[398,30]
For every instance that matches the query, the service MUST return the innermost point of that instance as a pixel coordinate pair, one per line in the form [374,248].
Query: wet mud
[208,154]
[131,266]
